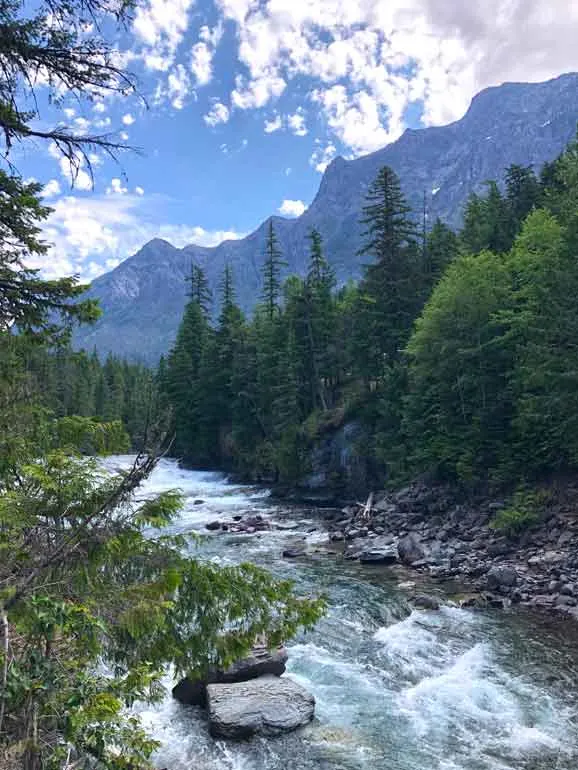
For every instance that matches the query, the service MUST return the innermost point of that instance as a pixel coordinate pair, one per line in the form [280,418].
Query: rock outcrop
[260,662]
[269,705]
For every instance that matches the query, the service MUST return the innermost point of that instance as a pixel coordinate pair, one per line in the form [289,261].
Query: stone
[337,537]
[425,602]
[410,549]
[501,576]
[293,553]
[260,662]
[190,692]
[213,525]
[268,705]
[379,555]
[199,502]
[569,589]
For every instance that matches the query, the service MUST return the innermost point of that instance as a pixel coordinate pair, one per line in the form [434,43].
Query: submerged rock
[267,706]
[293,553]
[261,661]
[425,602]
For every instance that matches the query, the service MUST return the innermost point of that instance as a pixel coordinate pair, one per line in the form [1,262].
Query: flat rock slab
[269,705]
[261,661]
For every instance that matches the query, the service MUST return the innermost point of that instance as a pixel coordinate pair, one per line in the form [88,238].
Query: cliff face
[525,124]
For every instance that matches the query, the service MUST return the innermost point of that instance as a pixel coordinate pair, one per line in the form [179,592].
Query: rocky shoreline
[434,531]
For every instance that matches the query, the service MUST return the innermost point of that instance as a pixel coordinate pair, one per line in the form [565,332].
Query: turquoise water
[396,690]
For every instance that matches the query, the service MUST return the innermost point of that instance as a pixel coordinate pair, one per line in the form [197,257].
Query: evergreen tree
[442,249]
[389,299]
[523,194]
[272,273]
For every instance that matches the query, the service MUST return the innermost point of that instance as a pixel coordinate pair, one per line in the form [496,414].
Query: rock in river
[267,706]
[193,692]
[386,554]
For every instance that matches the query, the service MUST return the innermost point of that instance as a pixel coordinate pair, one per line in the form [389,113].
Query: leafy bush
[523,513]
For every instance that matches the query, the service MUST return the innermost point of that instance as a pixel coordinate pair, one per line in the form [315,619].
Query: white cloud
[81,125]
[219,113]
[178,86]
[51,188]
[160,26]
[368,60]
[250,94]
[73,171]
[123,136]
[91,235]
[99,107]
[70,112]
[139,190]
[273,125]
[128,119]
[292,208]
[356,119]
[296,123]
[322,157]
[116,187]
[202,63]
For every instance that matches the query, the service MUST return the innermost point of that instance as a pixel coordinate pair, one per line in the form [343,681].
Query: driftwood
[365,509]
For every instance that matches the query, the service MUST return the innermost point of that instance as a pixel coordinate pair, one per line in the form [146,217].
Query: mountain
[526,124]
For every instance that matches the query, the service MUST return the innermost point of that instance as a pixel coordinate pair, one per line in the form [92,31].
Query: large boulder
[501,577]
[261,661]
[379,554]
[410,549]
[268,706]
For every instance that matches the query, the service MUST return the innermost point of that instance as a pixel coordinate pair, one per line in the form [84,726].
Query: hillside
[526,124]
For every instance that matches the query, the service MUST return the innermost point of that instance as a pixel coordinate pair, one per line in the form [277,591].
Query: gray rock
[425,602]
[379,555]
[260,662]
[267,706]
[501,576]
[213,525]
[410,549]
[293,553]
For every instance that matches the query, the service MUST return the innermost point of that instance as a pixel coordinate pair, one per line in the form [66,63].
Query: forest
[456,352]
[96,600]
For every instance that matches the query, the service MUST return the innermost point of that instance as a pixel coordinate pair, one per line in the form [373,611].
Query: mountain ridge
[528,124]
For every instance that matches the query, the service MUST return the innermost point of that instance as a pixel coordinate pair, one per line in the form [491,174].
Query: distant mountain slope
[527,124]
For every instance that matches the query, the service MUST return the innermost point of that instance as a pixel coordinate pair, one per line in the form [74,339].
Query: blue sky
[248,100]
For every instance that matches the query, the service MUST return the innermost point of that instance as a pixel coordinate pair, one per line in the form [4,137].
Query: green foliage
[458,407]
[88,573]
[523,513]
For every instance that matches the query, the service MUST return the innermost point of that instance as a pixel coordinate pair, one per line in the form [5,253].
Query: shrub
[523,513]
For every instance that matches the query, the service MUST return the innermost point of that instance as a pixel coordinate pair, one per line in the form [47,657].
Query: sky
[247,101]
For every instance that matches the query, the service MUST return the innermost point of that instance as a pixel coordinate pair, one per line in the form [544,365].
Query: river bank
[435,531]
[396,687]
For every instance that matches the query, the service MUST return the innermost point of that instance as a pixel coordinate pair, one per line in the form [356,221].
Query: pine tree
[523,194]
[272,273]
[389,297]
[442,249]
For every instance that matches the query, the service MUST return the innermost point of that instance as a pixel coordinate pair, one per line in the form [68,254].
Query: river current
[396,689]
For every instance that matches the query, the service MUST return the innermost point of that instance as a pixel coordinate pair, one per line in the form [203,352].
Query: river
[396,690]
